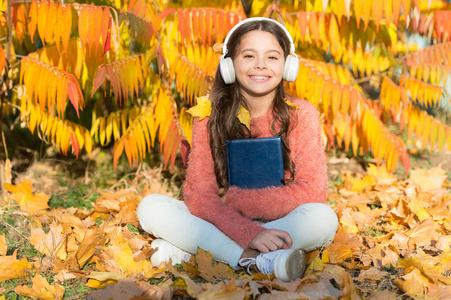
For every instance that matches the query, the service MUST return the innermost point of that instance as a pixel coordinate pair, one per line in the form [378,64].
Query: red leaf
[73,95]
[99,79]
[74,142]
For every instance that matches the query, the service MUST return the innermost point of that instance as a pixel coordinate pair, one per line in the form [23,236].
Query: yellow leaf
[413,283]
[244,116]
[41,289]
[202,109]
[360,184]
[429,179]
[23,195]
[379,171]
[11,268]
[291,104]
[316,265]
[52,244]
[210,269]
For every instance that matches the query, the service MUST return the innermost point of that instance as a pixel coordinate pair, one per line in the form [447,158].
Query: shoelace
[248,261]
[262,261]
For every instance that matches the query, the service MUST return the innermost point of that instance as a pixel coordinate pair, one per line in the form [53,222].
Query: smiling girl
[268,228]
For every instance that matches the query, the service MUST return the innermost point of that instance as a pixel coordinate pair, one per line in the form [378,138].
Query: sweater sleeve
[310,181]
[201,192]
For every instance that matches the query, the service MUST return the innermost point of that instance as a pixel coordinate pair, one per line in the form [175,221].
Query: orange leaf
[313,26]
[11,268]
[52,243]
[66,23]
[33,13]
[41,289]
[99,79]
[377,13]
[74,142]
[397,11]
[23,195]
[51,22]
[43,10]
[210,269]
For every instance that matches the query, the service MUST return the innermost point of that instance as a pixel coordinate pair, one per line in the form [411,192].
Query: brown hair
[226,100]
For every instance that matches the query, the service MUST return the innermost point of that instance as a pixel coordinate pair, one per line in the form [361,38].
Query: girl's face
[259,64]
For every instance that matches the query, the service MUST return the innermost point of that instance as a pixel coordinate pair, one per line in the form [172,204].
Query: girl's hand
[271,240]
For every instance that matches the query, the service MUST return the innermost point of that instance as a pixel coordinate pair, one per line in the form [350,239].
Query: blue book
[255,163]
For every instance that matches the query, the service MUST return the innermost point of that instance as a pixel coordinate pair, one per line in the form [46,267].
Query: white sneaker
[286,265]
[166,251]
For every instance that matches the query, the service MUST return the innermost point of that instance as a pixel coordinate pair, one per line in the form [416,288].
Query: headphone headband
[224,47]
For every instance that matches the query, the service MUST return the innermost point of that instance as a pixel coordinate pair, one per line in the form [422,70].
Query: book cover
[255,163]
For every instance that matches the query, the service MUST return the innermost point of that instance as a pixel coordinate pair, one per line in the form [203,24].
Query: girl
[268,228]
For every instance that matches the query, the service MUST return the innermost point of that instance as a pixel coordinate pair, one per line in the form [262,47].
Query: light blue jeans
[311,226]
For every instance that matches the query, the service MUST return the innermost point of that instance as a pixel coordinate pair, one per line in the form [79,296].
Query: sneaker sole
[293,268]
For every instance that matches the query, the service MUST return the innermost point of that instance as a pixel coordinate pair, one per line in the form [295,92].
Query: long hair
[226,100]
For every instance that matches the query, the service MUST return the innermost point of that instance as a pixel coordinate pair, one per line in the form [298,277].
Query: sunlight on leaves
[23,195]
[52,243]
[202,109]
[210,269]
[429,179]
[41,289]
[11,267]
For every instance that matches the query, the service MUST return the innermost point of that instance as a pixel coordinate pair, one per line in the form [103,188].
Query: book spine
[229,179]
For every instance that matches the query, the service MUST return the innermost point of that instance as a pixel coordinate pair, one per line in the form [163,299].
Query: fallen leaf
[87,247]
[11,268]
[372,274]
[383,295]
[210,269]
[316,265]
[41,289]
[359,185]
[222,291]
[413,283]
[23,195]
[429,179]
[52,243]
[131,288]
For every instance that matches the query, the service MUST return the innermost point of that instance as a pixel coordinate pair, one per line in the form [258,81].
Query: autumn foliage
[134,68]
[393,238]
[123,74]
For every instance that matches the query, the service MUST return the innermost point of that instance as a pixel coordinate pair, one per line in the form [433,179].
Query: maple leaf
[210,269]
[360,184]
[52,243]
[422,234]
[413,283]
[133,288]
[429,179]
[41,289]
[88,246]
[223,291]
[23,195]
[11,268]
[202,109]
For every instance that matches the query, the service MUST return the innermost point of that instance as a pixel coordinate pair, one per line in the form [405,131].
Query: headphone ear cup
[291,69]
[227,70]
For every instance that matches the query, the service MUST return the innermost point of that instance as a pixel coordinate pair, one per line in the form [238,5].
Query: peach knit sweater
[235,215]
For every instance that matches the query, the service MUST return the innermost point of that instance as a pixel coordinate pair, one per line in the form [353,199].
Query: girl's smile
[259,65]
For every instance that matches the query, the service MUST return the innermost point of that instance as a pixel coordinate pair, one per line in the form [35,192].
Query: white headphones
[227,69]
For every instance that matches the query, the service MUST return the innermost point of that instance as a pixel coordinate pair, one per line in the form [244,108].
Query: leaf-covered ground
[393,242]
